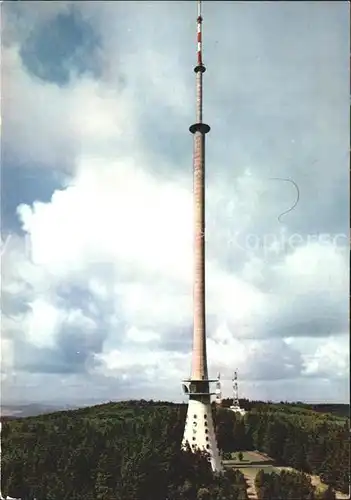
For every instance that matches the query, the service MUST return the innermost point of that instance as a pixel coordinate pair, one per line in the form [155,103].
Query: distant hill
[10,412]
[340,410]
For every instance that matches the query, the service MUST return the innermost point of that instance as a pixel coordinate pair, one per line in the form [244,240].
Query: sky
[96,199]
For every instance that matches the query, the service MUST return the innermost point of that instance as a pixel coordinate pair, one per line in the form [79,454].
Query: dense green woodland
[131,451]
[311,442]
[116,451]
[288,485]
[335,412]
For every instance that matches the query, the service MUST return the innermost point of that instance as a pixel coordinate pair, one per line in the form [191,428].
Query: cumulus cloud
[97,285]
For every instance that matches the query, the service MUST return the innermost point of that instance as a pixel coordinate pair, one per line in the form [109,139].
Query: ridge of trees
[131,450]
[335,412]
[116,451]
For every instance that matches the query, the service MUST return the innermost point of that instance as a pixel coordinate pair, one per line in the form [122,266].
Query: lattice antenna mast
[218,390]
[235,389]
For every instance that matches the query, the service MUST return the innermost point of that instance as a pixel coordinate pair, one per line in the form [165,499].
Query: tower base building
[199,432]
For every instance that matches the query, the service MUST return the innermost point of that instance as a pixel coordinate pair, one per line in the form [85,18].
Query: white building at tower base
[199,432]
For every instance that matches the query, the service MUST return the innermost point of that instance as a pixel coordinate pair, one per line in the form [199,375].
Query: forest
[288,485]
[311,442]
[131,451]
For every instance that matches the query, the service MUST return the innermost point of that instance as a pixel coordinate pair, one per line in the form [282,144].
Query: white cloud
[80,119]
[156,367]
[7,356]
[141,336]
[316,265]
[42,323]
[120,229]
[26,98]
[330,359]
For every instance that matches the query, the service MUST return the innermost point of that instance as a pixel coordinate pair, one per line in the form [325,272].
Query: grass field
[254,461]
[249,457]
[252,471]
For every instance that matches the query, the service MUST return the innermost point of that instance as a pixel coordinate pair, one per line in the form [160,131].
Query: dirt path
[315,480]
[250,484]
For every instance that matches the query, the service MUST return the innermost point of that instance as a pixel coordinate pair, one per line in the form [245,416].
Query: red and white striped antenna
[199,69]
[199,34]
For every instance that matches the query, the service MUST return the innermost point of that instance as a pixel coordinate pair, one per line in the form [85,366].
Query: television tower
[199,430]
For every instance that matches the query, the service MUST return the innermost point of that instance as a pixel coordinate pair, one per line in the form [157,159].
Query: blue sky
[96,205]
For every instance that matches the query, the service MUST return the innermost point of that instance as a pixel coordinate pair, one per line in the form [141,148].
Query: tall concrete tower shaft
[199,431]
